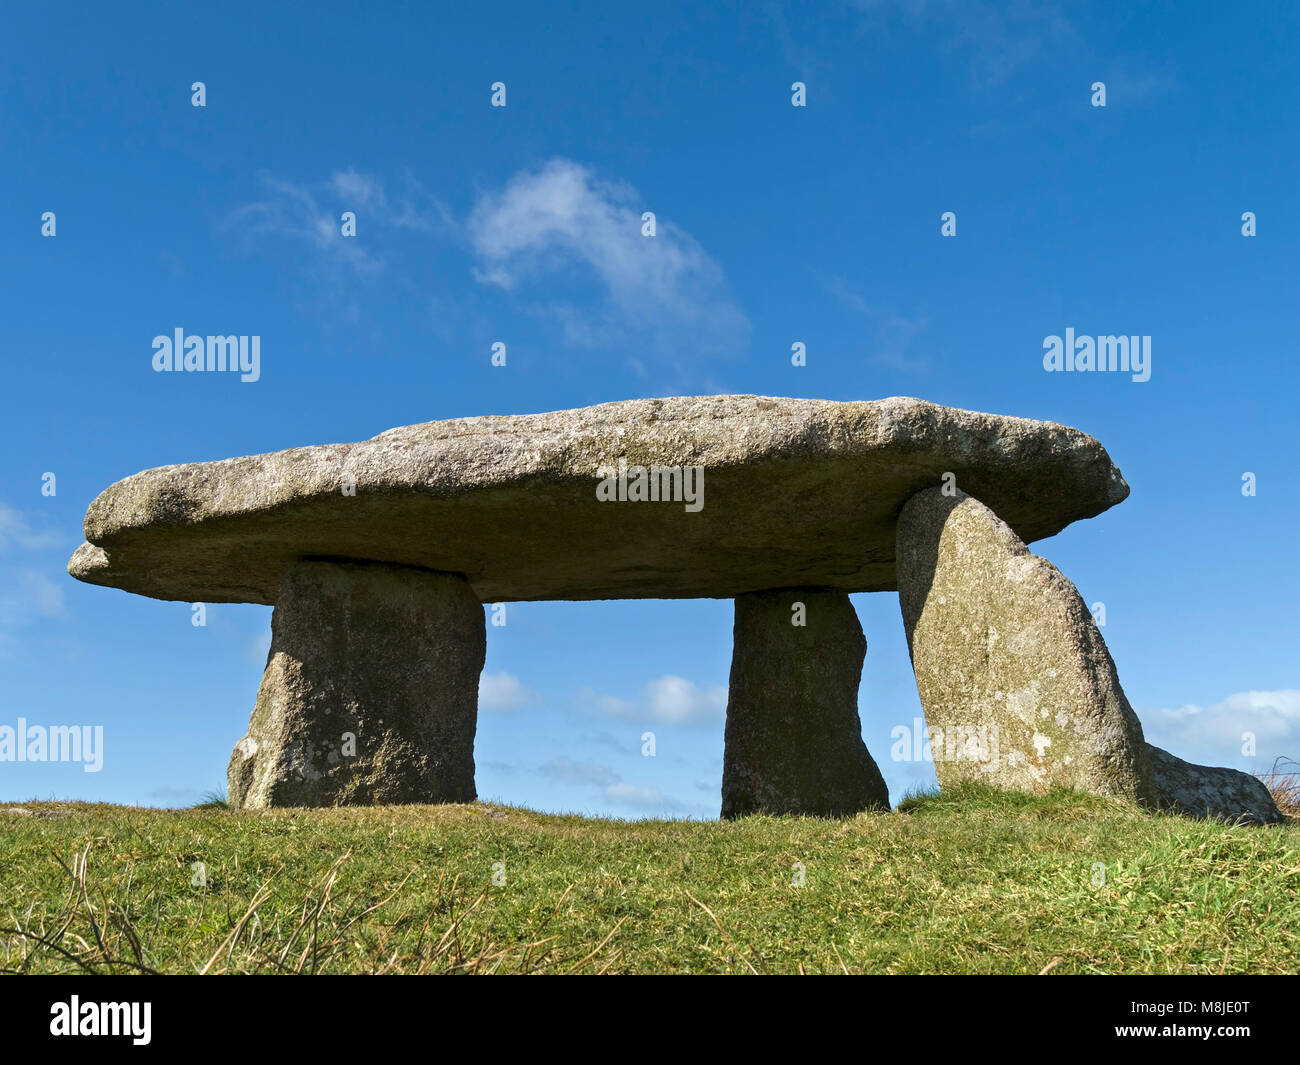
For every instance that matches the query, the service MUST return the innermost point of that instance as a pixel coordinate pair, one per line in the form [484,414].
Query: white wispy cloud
[610,786]
[311,214]
[666,700]
[995,39]
[503,692]
[560,218]
[27,596]
[412,207]
[607,705]
[892,342]
[677,701]
[32,595]
[564,243]
[360,191]
[18,530]
[1215,734]
[571,772]
[644,798]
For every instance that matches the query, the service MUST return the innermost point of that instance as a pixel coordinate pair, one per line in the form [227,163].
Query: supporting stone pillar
[1018,688]
[793,739]
[370,694]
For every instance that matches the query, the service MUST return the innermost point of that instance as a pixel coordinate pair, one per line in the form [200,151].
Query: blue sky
[520,224]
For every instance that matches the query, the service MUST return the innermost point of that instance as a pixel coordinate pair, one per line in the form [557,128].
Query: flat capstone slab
[796,493]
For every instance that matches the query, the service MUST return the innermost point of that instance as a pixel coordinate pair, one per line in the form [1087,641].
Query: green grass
[972,881]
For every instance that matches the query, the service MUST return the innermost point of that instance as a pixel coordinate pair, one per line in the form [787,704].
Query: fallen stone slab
[795,493]
[1018,688]
[1209,792]
[793,737]
[370,694]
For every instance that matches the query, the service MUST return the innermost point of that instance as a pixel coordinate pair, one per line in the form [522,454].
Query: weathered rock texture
[793,738]
[1018,687]
[797,493]
[1013,674]
[1208,792]
[389,655]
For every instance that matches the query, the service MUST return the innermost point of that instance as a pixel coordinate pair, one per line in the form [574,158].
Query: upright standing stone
[370,694]
[1016,683]
[793,738]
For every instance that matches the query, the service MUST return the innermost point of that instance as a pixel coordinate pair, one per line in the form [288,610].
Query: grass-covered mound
[972,881]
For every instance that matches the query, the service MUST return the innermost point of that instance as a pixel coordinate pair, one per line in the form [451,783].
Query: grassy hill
[973,882]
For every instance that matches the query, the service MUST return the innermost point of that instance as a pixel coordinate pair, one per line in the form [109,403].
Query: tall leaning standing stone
[793,737]
[370,694]
[1016,683]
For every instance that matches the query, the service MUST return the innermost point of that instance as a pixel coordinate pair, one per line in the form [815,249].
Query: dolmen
[378,557]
